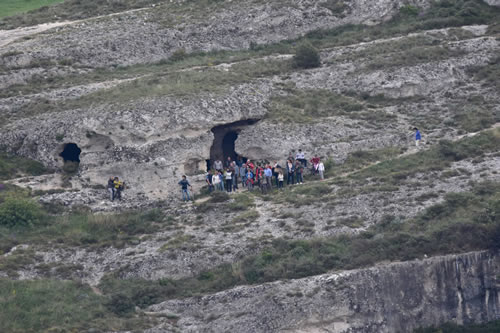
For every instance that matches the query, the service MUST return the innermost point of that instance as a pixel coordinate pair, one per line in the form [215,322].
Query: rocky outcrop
[398,297]
[153,34]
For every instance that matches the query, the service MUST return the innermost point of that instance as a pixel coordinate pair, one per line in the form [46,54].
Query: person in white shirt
[229,180]
[321,170]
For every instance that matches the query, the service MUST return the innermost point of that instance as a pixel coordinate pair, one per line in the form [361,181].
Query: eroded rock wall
[398,297]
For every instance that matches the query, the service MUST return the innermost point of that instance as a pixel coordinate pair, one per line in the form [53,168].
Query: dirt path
[9,36]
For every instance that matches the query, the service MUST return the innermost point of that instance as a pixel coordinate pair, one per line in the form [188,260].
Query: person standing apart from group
[418,137]
[184,188]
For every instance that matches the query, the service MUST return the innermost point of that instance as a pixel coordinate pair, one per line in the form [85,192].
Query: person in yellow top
[119,187]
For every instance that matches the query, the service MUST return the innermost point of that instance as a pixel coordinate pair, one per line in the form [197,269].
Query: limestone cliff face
[396,297]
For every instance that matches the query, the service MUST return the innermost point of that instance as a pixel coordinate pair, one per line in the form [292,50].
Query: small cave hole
[71,153]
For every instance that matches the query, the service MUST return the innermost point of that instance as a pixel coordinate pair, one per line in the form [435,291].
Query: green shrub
[409,10]
[19,212]
[306,56]
[120,304]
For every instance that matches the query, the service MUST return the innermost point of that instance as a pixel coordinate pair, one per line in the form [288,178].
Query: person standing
[281,178]
[216,181]
[268,173]
[236,175]
[298,172]
[249,178]
[229,180]
[290,169]
[243,175]
[276,170]
[208,180]
[184,188]
[418,137]
[300,156]
[218,165]
[111,188]
[321,170]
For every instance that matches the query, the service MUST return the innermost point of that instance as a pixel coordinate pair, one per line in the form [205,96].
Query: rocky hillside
[150,91]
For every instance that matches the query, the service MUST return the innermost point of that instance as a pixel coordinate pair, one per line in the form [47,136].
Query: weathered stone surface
[397,297]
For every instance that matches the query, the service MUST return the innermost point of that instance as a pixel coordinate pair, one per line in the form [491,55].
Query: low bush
[19,212]
[306,56]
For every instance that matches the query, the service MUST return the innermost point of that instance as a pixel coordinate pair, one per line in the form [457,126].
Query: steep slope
[153,94]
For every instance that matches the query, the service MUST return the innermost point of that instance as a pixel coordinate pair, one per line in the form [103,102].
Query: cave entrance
[224,141]
[71,153]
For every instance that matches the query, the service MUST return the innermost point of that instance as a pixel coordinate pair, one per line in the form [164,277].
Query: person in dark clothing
[208,180]
[184,188]
[111,188]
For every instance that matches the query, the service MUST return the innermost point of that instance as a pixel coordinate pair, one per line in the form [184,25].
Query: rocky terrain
[151,94]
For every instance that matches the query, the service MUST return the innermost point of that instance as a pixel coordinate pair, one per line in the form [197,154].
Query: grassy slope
[12,7]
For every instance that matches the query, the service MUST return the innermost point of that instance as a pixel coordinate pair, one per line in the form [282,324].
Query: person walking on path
[290,169]
[229,180]
[418,137]
[321,170]
[184,188]
[111,188]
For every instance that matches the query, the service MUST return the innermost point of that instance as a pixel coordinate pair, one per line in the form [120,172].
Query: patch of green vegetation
[79,229]
[178,241]
[58,306]
[414,56]
[440,14]
[436,158]
[362,158]
[12,7]
[14,166]
[491,327]
[489,74]
[16,212]
[306,56]
[303,106]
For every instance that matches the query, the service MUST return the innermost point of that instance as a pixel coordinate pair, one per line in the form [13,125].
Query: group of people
[115,188]
[228,176]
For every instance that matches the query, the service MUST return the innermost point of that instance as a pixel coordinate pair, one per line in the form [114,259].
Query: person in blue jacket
[418,137]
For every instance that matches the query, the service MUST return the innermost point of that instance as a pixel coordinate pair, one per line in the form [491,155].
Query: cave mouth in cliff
[71,153]
[224,141]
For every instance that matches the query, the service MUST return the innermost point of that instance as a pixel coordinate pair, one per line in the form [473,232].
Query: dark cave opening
[225,137]
[71,153]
